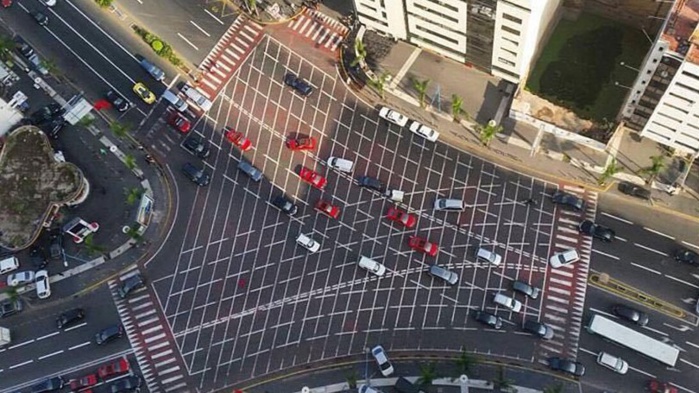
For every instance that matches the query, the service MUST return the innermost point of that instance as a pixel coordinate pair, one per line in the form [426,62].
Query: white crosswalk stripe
[325,31]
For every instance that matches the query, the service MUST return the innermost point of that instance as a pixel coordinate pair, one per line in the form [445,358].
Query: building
[663,102]
[501,37]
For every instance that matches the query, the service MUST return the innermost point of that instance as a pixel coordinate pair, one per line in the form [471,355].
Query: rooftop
[681,29]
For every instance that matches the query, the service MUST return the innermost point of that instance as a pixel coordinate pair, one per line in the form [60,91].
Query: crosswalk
[565,287]
[231,50]
[151,339]
[325,31]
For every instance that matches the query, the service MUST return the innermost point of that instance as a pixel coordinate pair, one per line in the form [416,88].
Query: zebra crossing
[151,339]
[325,31]
[565,287]
[231,50]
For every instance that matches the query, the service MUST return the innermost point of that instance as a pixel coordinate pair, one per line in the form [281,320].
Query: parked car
[70,317]
[154,71]
[396,215]
[43,286]
[40,18]
[117,367]
[130,284]
[56,244]
[197,97]
[129,384]
[108,334]
[10,307]
[448,205]
[424,131]
[526,289]
[46,114]
[237,139]
[23,48]
[143,93]
[83,382]
[54,127]
[569,200]
[656,386]
[507,302]
[298,84]
[631,314]
[483,254]
[327,209]
[423,245]
[307,243]
[381,358]
[80,229]
[614,363]
[634,190]
[199,176]
[49,385]
[597,231]
[372,266]
[247,168]
[444,274]
[371,183]
[489,319]
[538,329]
[20,278]
[38,258]
[312,177]
[179,122]
[686,256]
[367,389]
[564,258]
[393,116]
[196,146]
[341,164]
[285,205]
[118,102]
[567,366]
[301,143]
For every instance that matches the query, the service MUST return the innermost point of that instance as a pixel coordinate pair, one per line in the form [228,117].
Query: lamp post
[621,63]
[623,86]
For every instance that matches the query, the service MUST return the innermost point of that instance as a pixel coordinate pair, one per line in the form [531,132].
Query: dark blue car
[298,84]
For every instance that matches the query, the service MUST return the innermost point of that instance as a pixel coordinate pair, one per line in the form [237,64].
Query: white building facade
[499,36]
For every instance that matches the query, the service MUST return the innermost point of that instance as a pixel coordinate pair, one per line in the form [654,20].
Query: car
[385,365]
[423,245]
[83,382]
[40,18]
[56,244]
[568,200]
[46,114]
[526,289]
[538,329]
[564,258]
[118,367]
[143,93]
[43,285]
[108,334]
[424,131]
[53,128]
[567,366]
[298,84]
[49,3]
[630,314]
[313,177]
[196,146]
[179,122]
[327,209]
[10,307]
[686,256]
[301,143]
[449,205]
[483,254]
[285,205]
[49,385]
[392,116]
[634,190]
[367,389]
[656,386]
[80,229]
[371,266]
[237,139]
[20,278]
[199,176]
[129,384]
[396,215]
[129,285]
[614,363]
[444,274]
[489,319]
[197,97]
[70,317]
[507,302]
[371,183]
[118,102]
[38,257]
[597,231]
[307,243]
[23,48]
[152,69]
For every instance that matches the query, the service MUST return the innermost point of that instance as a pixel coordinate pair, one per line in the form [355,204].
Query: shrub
[175,60]
[104,3]
[157,46]
[150,38]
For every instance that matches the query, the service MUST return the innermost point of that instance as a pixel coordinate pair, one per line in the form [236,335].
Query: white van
[9,264]
[341,164]
[307,243]
[616,364]
[506,301]
[198,98]
[448,205]
[488,256]
[372,266]
[175,101]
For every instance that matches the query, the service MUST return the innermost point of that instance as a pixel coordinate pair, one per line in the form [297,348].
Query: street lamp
[623,86]
[621,63]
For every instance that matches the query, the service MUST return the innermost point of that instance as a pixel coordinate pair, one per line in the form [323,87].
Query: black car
[538,329]
[489,319]
[38,257]
[597,231]
[686,256]
[631,314]
[196,146]
[54,127]
[70,317]
[49,385]
[198,176]
[25,49]
[117,101]
[129,384]
[372,183]
[109,334]
[569,200]
[634,190]
[10,307]
[526,289]
[285,205]
[46,114]
[56,244]
[567,366]
[298,84]
[130,284]
[40,18]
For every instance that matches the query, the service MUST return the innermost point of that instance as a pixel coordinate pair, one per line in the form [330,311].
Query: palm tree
[132,232]
[380,83]
[352,378]
[428,373]
[86,121]
[465,362]
[6,47]
[12,293]
[611,170]
[501,382]
[456,107]
[130,161]
[252,6]
[50,66]
[359,52]
[557,388]
[489,131]
[119,130]
[421,88]
[657,165]
[89,243]
[133,195]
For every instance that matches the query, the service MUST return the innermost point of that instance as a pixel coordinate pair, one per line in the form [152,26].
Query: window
[512,18]
[511,30]
[505,61]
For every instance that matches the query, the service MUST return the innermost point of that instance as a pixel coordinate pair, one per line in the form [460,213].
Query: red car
[180,122]
[422,245]
[84,382]
[312,177]
[301,143]
[656,386]
[401,217]
[237,138]
[120,366]
[328,209]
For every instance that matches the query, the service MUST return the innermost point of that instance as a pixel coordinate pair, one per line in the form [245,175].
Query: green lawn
[578,67]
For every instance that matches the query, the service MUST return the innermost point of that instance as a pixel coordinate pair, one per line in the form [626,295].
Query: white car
[368,389]
[80,229]
[424,131]
[20,278]
[382,360]
[393,116]
[564,258]
[372,266]
[49,3]
[307,243]
[43,288]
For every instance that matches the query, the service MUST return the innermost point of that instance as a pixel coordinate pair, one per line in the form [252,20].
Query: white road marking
[646,268]
[21,364]
[605,254]
[213,16]
[682,281]
[659,233]
[690,244]
[200,29]
[617,218]
[21,344]
[74,327]
[691,364]
[79,345]
[187,41]
[51,354]
[650,249]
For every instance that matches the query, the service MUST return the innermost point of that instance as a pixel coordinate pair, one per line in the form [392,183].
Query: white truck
[4,336]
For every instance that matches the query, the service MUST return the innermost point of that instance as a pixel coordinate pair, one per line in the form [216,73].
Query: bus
[632,339]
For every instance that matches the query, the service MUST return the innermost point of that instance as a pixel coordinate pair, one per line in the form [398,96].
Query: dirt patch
[32,182]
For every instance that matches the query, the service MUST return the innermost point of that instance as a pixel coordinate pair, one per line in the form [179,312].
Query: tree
[359,52]
[456,107]
[50,66]
[380,83]
[6,47]
[421,87]
[656,166]
[501,382]
[133,195]
[119,130]
[130,161]
[352,378]
[86,121]
[557,388]
[428,373]
[89,243]
[611,170]
[488,132]
[104,3]
[252,6]
[132,232]
[465,362]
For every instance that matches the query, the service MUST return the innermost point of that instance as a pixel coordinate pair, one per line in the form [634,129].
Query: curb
[268,23]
